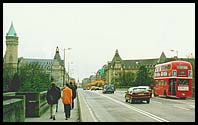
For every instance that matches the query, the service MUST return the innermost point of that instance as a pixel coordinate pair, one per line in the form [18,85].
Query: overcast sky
[95,30]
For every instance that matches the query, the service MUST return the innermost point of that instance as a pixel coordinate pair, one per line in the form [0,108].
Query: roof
[139,62]
[44,63]
[141,87]
[162,58]
[57,57]
[11,31]
[116,57]
[135,62]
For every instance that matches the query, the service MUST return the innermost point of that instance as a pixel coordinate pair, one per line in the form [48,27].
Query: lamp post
[70,70]
[176,52]
[65,66]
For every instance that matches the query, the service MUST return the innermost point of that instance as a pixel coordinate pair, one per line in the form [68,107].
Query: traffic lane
[187,104]
[108,110]
[189,101]
[172,110]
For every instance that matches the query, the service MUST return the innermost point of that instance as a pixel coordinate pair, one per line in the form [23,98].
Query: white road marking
[138,110]
[89,109]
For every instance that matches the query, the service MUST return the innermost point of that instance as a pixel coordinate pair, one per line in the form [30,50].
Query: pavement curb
[83,108]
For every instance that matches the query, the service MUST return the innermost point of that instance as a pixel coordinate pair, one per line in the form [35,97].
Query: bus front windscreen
[183,84]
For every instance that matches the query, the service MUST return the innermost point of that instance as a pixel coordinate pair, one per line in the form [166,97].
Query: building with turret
[55,67]
[114,68]
[10,59]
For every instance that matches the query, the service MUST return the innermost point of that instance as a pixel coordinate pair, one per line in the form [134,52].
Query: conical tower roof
[57,55]
[162,58]
[116,57]
[11,31]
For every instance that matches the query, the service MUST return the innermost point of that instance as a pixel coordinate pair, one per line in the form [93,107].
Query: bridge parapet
[33,104]
[14,109]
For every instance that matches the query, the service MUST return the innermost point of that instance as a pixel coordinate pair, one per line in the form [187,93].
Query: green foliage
[143,77]
[15,83]
[7,77]
[126,78]
[30,77]
[34,78]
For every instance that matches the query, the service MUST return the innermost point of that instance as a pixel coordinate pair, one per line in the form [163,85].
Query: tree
[7,77]
[34,78]
[126,78]
[143,77]
[15,83]
[29,77]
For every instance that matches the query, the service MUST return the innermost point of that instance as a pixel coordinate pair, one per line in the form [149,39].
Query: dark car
[108,88]
[137,94]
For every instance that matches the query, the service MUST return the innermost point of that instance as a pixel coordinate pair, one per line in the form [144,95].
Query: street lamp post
[70,70]
[65,66]
[175,51]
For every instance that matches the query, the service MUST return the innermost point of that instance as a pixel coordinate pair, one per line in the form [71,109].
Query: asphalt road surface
[113,108]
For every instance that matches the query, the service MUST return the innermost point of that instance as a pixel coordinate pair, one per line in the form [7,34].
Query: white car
[148,88]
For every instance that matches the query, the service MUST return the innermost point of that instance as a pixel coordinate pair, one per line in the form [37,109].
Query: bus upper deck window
[189,73]
[174,73]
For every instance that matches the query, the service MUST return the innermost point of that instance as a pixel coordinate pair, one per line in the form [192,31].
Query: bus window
[183,82]
[168,67]
[164,82]
[189,73]
[174,73]
[183,85]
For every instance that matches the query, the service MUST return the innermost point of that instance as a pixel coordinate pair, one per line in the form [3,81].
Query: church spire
[11,31]
[162,58]
[116,56]
[57,56]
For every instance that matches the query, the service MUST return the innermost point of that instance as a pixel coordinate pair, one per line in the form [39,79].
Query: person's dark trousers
[57,107]
[67,108]
[72,104]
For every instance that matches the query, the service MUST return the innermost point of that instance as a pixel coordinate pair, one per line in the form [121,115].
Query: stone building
[55,67]
[114,68]
[11,55]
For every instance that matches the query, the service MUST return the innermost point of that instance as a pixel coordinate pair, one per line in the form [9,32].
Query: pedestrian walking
[58,99]
[67,100]
[53,95]
[73,87]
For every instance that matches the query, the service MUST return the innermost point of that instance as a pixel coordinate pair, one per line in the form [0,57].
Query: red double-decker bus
[173,79]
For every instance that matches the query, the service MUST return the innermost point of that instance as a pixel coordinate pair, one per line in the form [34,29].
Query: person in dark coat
[58,100]
[73,87]
[53,95]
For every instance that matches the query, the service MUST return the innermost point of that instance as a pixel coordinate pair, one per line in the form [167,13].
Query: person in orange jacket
[67,100]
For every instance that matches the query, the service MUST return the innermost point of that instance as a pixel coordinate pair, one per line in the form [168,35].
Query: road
[113,108]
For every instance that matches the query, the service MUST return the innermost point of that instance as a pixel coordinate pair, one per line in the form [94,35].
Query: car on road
[137,94]
[148,88]
[108,88]
[93,87]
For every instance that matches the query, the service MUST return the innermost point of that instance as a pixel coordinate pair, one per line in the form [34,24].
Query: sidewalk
[60,115]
